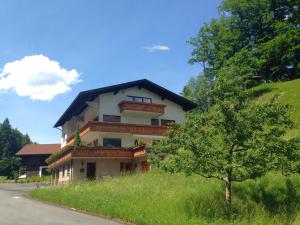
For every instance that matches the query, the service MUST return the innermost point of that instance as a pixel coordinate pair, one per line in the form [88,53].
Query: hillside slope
[289,93]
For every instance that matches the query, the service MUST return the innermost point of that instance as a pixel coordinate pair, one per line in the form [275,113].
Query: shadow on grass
[277,194]
[273,196]
[260,92]
[205,205]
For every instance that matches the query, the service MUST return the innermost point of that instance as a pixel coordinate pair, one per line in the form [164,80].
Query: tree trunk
[228,193]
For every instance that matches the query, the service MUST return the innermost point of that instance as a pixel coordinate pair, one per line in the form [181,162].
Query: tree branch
[213,176]
[240,179]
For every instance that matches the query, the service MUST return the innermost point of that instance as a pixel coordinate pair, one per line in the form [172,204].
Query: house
[115,123]
[34,157]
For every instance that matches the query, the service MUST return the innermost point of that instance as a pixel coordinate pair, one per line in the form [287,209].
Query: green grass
[163,199]
[289,93]
[2,179]
[33,179]
[157,198]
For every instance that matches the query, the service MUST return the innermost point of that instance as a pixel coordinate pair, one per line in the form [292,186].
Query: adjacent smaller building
[34,157]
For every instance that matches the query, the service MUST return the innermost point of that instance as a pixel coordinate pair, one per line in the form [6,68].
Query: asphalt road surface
[16,209]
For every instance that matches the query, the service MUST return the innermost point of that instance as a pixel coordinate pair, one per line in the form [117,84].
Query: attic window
[139,99]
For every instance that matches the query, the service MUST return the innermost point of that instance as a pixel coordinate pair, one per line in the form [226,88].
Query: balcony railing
[141,107]
[121,128]
[98,152]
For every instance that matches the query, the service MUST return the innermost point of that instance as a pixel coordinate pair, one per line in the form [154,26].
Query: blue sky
[104,42]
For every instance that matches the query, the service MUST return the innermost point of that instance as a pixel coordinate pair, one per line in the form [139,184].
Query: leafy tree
[262,32]
[236,140]
[198,90]
[11,141]
[10,166]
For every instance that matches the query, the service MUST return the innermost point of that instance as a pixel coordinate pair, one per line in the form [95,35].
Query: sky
[51,50]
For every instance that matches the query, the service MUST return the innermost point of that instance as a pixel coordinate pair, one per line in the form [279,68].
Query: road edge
[26,195]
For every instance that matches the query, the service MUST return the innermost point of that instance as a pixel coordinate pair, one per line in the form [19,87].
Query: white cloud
[154,48]
[37,77]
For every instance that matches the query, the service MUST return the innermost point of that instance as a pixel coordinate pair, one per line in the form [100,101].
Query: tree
[198,90]
[237,139]
[10,166]
[11,141]
[5,138]
[265,33]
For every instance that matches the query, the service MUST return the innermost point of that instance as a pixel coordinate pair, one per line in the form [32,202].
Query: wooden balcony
[141,107]
[142,129]
[102,153]
[95,152]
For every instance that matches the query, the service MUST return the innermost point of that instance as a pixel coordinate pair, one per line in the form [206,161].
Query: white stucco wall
[64,177]
[104,167]
[109,106]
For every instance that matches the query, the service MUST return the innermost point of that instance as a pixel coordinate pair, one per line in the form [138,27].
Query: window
[130,98]
[155,122]
[139,99]
[112,142]
[147,100]
[111,118]
[167,122]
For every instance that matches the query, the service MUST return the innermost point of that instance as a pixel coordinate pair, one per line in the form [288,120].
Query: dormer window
[138,99]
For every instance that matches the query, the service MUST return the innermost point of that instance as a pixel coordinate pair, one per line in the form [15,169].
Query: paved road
[15,209]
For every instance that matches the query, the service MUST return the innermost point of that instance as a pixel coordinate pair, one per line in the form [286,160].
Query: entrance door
[91,171]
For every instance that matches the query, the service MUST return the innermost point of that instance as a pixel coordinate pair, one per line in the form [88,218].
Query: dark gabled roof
[38,149]
[79,103]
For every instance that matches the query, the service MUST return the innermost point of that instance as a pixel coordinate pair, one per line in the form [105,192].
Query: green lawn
[163,199]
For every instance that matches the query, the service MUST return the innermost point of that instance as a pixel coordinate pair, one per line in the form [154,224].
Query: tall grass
[163,199]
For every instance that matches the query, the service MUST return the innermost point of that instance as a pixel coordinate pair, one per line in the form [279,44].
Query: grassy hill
[157,198]
[289,93]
